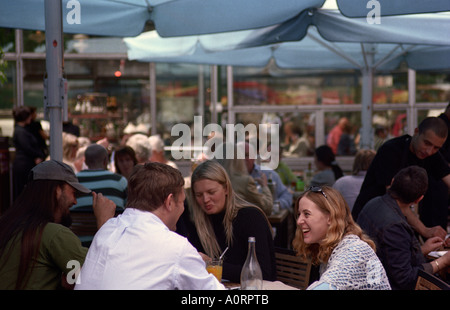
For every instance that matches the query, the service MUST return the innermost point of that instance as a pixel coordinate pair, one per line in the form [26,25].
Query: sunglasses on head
[317,189]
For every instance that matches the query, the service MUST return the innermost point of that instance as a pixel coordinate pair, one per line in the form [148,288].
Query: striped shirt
[110,184]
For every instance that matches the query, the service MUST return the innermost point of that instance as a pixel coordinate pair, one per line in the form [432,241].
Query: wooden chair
[291,269]
[427,281]
[84,225]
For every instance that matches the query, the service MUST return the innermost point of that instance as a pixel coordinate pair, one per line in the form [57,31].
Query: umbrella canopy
[336,42]
[170,17]
[361,8]
[128,18]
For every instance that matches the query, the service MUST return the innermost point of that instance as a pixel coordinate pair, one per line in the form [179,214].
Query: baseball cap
[56,170]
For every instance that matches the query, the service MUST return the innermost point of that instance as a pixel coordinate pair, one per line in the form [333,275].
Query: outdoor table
[267,286]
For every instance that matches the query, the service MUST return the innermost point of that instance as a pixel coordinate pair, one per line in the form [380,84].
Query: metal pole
[152,69]
[412,112]
[214,86]
[366,111]
[19,66]
[231,113]
[201,92]
[366,98]
[54,66]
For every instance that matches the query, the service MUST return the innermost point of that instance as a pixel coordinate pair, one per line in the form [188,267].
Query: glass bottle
[251,274]
[308,175]
[300,186]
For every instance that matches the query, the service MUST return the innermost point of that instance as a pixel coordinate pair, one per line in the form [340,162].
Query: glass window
[8,100]
[34,41]
[391,88]
[305,88]
[296,131]
[105,95]
[178,98]
[7,40]
[342,132]
[432,87]
[388,124]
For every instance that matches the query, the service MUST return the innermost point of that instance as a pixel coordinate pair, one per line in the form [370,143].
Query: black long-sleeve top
[27,147]
[249,222]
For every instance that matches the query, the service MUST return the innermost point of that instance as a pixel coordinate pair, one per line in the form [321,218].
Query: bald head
[96,156]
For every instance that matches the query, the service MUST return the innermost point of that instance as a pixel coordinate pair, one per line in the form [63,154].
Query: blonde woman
[70,148]
[223,219]
[327,234]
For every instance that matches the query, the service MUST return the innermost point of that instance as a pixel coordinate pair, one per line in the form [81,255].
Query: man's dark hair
[21,113]
[437,125]
[409,184]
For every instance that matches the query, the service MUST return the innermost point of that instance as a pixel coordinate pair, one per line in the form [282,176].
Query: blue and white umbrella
[332,42]
[128,18]
[364,8]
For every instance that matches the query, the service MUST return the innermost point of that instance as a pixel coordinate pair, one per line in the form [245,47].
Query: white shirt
[136,250]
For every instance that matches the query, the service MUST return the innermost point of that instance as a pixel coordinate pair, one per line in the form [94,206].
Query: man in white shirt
[138,249]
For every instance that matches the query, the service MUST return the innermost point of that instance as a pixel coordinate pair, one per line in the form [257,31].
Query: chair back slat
[291,269]
[83,223]
[429,282]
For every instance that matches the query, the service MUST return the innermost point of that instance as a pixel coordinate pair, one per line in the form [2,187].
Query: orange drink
[215,267]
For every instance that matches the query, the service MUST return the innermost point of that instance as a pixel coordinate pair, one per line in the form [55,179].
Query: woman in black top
[223,219]
[28,151]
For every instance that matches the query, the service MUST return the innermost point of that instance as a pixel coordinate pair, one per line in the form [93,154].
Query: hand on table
[436,231]
[432,244]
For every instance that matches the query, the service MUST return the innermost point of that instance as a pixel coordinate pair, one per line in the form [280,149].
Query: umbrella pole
[54,67]
[412,115]
[366,112]
[153,103]
[367,71]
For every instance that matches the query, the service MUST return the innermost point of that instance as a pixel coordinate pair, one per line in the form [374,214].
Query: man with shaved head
[99,179]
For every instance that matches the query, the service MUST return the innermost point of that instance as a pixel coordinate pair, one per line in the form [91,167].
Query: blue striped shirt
[110,184]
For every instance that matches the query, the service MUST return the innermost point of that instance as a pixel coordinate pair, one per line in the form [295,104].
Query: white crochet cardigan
[353,265]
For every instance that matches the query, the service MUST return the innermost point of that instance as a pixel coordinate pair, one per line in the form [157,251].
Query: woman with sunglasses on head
[327,234]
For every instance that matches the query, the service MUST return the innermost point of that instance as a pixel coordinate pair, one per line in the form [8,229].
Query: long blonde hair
[213,171]
[342,224]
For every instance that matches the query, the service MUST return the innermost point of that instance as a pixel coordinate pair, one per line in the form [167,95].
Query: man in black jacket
[421,150]
[397,246]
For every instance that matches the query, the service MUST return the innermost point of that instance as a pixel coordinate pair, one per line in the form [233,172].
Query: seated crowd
[359,229]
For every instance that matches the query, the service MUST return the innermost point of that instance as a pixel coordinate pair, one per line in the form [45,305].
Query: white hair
[156,143]
[141,146]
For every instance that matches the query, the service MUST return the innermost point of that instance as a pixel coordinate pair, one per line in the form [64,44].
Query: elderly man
[138,249]
[37,249]
[158,152]
[421,150]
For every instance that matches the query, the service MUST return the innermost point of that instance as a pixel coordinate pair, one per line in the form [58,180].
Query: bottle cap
[251,239]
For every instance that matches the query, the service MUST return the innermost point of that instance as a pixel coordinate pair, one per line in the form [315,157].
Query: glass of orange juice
[214,267]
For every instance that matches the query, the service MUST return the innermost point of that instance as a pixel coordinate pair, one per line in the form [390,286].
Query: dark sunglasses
[317,189]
